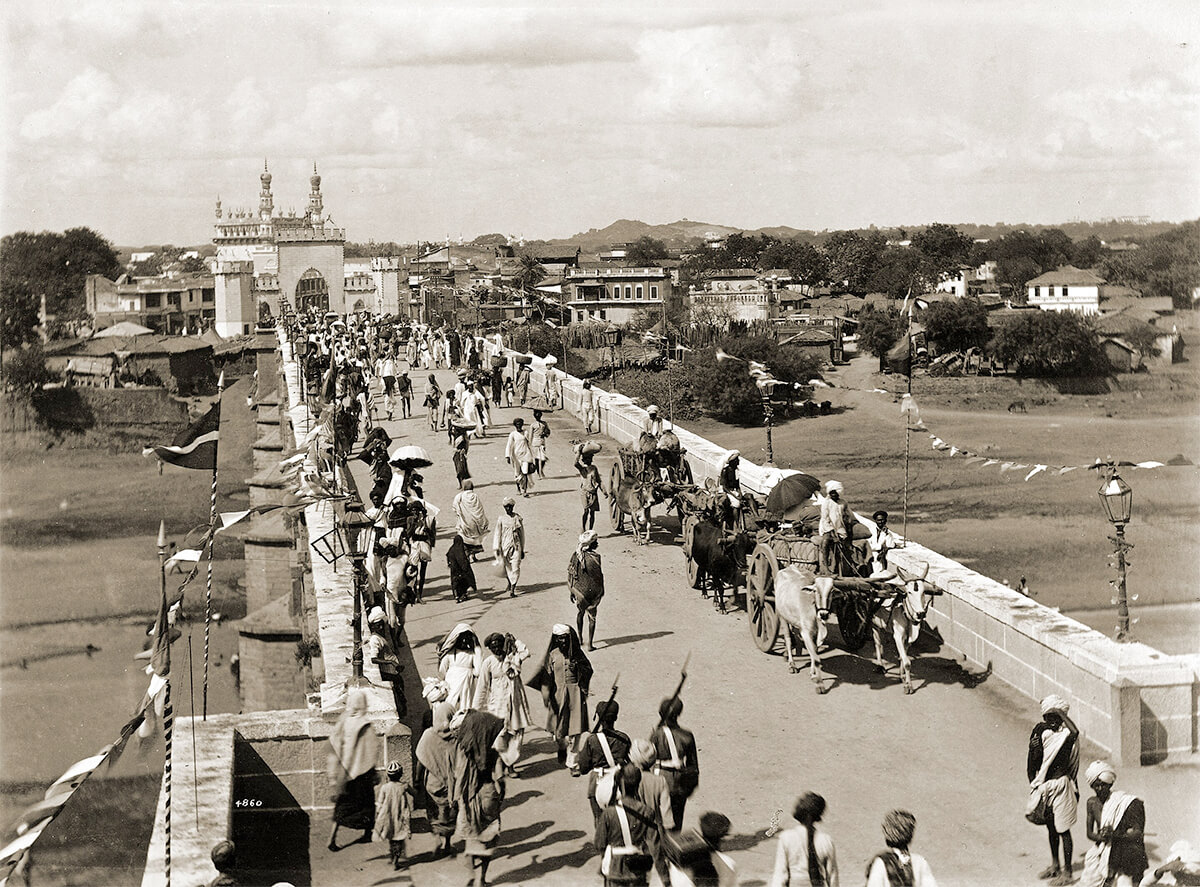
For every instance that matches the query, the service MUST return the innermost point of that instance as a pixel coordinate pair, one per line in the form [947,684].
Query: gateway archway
[312,291]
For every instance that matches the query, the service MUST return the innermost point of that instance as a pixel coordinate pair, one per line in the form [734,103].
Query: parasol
[523,359]
[792,491]
[410,457]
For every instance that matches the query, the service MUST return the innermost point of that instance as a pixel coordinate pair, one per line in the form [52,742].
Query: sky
[542,120]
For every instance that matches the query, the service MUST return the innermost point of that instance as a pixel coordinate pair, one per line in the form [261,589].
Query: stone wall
[1139,704]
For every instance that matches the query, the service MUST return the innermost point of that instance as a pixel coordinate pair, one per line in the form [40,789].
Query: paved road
[953,753]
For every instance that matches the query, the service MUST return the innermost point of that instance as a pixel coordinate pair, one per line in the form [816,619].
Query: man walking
[585,581]
[677,759]
[564,679]
[1116,822]
[1052,768]
[508,541]
[519,455]
[603,750]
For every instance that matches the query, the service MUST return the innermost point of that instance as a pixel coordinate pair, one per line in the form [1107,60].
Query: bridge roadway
[953,753]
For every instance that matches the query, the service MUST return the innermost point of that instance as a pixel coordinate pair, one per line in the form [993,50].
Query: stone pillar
[268,557]
[268,450]
[272,678]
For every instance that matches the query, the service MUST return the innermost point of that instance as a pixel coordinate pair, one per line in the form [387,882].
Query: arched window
[312,291]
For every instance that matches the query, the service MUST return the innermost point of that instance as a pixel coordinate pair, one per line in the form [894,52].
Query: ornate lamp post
[611,335]
[1117,498]
[765,388]
[353,524]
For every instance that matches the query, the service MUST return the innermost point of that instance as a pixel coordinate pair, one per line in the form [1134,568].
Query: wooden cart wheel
[614,479]
[760,598]
[693,569]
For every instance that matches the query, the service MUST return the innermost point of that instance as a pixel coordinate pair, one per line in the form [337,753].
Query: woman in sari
[354,752]
[435,753]
[479,785]
[501,692]
[460,662]
[473,524]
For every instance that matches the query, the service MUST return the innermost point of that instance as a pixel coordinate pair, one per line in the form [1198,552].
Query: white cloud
[79,109]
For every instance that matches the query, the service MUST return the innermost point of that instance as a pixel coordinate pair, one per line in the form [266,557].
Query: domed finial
[265,178]
[315,181]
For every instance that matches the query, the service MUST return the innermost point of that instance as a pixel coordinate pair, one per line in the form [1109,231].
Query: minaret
[266,203]
[218,206]
[316,206]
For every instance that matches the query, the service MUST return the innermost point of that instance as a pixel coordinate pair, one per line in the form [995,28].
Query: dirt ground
[1050,529]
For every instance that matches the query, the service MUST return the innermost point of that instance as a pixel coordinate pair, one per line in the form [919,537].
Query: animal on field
[903,614]
[799,596]
[719,558]
[1017,406]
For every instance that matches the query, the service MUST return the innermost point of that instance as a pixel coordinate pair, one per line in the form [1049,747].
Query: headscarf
[1102,771]
[353,740]
[642,753]
[579,663]
[1055,703]
[586,539]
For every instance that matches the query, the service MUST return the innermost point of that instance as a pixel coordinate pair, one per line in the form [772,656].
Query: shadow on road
[575,859]
[605,643]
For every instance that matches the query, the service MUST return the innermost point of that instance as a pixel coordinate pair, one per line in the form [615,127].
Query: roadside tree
[879,328]
[956,325]
[1051,343]
[725,389]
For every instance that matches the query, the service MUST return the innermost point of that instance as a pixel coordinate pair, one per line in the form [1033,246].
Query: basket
[591,446]
[498,361]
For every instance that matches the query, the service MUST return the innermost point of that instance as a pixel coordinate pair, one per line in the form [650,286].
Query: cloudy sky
[542,120]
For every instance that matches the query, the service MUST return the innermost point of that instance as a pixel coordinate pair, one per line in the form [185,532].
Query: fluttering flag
[195,446]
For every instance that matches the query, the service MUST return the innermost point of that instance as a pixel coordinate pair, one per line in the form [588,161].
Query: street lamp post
[1117,498]
[764,388]
[611,335]
[354,522]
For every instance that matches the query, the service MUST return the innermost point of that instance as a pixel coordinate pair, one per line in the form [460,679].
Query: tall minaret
[316,206]
[266,203]
[218,206]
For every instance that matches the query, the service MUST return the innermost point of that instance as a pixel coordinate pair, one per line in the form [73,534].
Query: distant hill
[685,233]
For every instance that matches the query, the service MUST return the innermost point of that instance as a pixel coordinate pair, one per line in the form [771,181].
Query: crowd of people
[473,736]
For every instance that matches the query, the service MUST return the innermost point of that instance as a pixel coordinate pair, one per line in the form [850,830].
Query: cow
[634,498]
[903,613]
[720,558]
[799,597]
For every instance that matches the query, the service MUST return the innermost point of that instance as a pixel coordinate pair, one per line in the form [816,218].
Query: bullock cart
[851,600]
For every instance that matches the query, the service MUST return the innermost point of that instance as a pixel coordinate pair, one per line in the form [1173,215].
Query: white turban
[560,629]
[831,485]
[587,538]
[376,615]
[1101,771]
[1055,703]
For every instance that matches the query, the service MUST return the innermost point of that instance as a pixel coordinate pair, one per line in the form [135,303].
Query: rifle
[679,686]
[612,696]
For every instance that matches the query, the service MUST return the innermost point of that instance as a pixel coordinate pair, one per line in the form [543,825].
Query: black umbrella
[795,489]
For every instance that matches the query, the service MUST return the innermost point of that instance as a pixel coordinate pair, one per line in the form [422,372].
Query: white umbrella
[410,457]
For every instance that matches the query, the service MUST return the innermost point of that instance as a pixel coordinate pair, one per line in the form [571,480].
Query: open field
[1051,530]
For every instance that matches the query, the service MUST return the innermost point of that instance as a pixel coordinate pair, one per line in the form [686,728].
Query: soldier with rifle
[676,750]
[603,752]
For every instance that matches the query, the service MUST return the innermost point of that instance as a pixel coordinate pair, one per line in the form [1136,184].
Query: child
[393,810]
[509,391]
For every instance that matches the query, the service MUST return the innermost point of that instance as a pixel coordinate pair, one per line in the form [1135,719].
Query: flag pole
[168,714]
[212,527]
[907,418]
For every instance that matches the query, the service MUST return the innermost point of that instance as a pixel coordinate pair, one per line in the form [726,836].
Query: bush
[1051,343]
[26,370]
[650,386]
[726,390]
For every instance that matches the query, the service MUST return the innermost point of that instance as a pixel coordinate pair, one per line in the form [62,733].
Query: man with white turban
[1052,767]
[833,529]
[1116,823]
[585,581]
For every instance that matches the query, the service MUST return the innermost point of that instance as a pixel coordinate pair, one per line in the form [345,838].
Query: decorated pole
[907,420]
[212,532]
[163,643]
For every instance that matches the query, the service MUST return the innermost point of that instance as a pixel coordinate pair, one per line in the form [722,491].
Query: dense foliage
[1166,265]
[1050,343]
[648,386]
[726,390]
[879,329]
[956,325]
[26,369]
[51,264]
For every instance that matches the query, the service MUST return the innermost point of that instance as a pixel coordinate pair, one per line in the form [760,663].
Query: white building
[1066,289]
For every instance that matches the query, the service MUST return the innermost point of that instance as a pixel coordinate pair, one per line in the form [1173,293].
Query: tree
[853,259]
[956,325]
[803,261]
[1166,265]
[726,390]
[26,370]
[50,264]
[900,273]
[529,272]
[879,328]
[943,247]
[646,250]
[193,265]
[1051,343]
